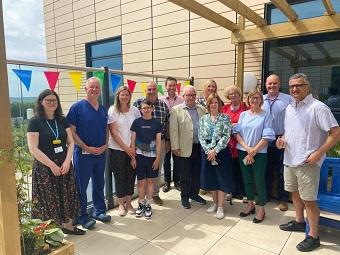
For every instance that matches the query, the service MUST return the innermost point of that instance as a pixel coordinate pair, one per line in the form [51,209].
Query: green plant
[38,237]
[334,152]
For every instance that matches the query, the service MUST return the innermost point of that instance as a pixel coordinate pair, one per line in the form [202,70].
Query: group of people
[233,148]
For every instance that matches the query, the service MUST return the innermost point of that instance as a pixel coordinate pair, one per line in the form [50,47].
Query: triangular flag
[187,83]
[100,76]
[131,85]
[52,78]
[160,89]
[76,78]
[178,88]
[115,81]
[144,85]
[24,76]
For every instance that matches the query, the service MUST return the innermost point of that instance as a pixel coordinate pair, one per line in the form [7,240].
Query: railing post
[9,218]
[108,174]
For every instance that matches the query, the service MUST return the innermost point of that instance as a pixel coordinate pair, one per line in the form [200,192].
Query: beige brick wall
[157,37]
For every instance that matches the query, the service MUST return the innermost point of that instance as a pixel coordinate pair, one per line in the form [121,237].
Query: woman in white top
[120,118]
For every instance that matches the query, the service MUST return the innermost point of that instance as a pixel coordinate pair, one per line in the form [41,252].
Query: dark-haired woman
[51,144]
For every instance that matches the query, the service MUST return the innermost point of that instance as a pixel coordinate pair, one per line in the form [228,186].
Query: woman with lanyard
[51,144]
[216,172]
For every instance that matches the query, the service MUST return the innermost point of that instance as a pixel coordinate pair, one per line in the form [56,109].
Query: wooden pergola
[330,22]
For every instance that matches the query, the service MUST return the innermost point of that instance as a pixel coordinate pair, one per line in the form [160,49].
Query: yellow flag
[143,85]
[187,83]
[76,78]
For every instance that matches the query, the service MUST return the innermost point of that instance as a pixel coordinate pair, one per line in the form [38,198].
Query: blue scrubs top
[90,123]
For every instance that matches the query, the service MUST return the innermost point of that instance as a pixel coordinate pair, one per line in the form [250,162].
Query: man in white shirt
[310,131]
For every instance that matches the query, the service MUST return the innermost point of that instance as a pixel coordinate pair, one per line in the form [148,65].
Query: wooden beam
[286,9]
[9,219]
[245,11]
[322,49]
[240,59]
[316,62]
[206,13]
[282,53]
[329,7]
[289,29]
[300,51]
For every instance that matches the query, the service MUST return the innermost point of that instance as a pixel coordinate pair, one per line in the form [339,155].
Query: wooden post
[9,219]
[240,59]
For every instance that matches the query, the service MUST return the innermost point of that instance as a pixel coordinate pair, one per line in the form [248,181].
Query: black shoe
[256,220]
[199,200]
[186,204]
[243,214]
[74,231]
[293,226]
[308,244]
[177,186]
[166,187]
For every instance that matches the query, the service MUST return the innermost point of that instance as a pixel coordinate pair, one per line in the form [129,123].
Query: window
[316,55]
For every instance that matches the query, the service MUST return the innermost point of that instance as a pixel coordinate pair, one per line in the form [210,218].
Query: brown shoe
[157,200]
[283,206]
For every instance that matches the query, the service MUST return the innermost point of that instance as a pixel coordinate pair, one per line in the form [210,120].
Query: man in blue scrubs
[88,121]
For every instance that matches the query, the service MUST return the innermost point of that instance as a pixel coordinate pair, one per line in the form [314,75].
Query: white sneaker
[212,208]
[220,213]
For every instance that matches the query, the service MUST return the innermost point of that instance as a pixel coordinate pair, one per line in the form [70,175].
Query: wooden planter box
[66,249]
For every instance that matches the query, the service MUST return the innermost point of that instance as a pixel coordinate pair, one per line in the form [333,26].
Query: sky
[25,40]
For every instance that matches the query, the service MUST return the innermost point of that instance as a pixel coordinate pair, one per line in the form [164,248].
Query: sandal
[74,231]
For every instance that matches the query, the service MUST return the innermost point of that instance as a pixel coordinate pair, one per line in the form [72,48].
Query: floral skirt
[54,197]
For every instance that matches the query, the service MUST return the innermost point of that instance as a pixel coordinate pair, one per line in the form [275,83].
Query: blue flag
[115,82]
[24,76]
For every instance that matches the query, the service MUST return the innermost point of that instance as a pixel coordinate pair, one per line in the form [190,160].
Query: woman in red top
[234,109]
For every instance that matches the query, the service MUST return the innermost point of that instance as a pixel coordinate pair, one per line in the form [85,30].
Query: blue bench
[329,192]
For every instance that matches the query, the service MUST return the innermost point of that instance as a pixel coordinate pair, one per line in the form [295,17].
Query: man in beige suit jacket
[184,122]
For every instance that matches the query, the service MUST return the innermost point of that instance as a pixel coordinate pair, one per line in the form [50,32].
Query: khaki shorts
[304,179]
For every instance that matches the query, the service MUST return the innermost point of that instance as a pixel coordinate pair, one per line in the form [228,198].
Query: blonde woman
[253,131]
[209,87]
[120,118]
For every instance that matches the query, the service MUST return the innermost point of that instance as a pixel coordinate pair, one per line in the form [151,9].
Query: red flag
[131,85]
[52,78]
[178,88]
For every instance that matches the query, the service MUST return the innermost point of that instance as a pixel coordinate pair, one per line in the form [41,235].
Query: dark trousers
[90,166]
[190,172]
[238,179]
[275,168]
[167,167]
[124,175]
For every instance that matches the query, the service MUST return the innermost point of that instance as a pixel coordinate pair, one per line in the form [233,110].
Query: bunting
[76,79]
[160,89]
[131,85]
[24,76]
[144,85]
[187,83]
[52,78]
[100,76]
[178,88]
[115,81]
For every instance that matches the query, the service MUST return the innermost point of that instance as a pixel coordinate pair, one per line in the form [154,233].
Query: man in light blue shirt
[275,104]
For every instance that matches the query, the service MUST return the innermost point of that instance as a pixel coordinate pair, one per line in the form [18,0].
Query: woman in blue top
[216,171]
[253,131]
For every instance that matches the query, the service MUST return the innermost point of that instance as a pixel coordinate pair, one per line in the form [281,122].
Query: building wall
[157,37]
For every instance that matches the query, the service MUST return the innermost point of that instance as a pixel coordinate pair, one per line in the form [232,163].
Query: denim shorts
[144,168]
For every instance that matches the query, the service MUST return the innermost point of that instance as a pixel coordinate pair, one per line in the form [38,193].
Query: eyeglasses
[297,86]
[146,108]
[152,89]
[190,95]
[255,98]
[51,101]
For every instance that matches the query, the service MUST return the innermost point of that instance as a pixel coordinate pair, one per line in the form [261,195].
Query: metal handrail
[88,69]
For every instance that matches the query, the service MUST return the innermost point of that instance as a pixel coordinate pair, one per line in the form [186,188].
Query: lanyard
[55,133]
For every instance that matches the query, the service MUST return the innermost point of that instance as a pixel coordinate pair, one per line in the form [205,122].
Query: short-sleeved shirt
[253,127]
[146,132]
[276,108]
[161,112]
[123,122]
[90,123]
[306,128]
[46,135]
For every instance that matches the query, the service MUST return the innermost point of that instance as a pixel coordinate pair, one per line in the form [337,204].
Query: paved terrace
[174,230]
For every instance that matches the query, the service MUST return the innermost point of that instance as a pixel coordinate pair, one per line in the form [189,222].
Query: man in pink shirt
[171,99]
